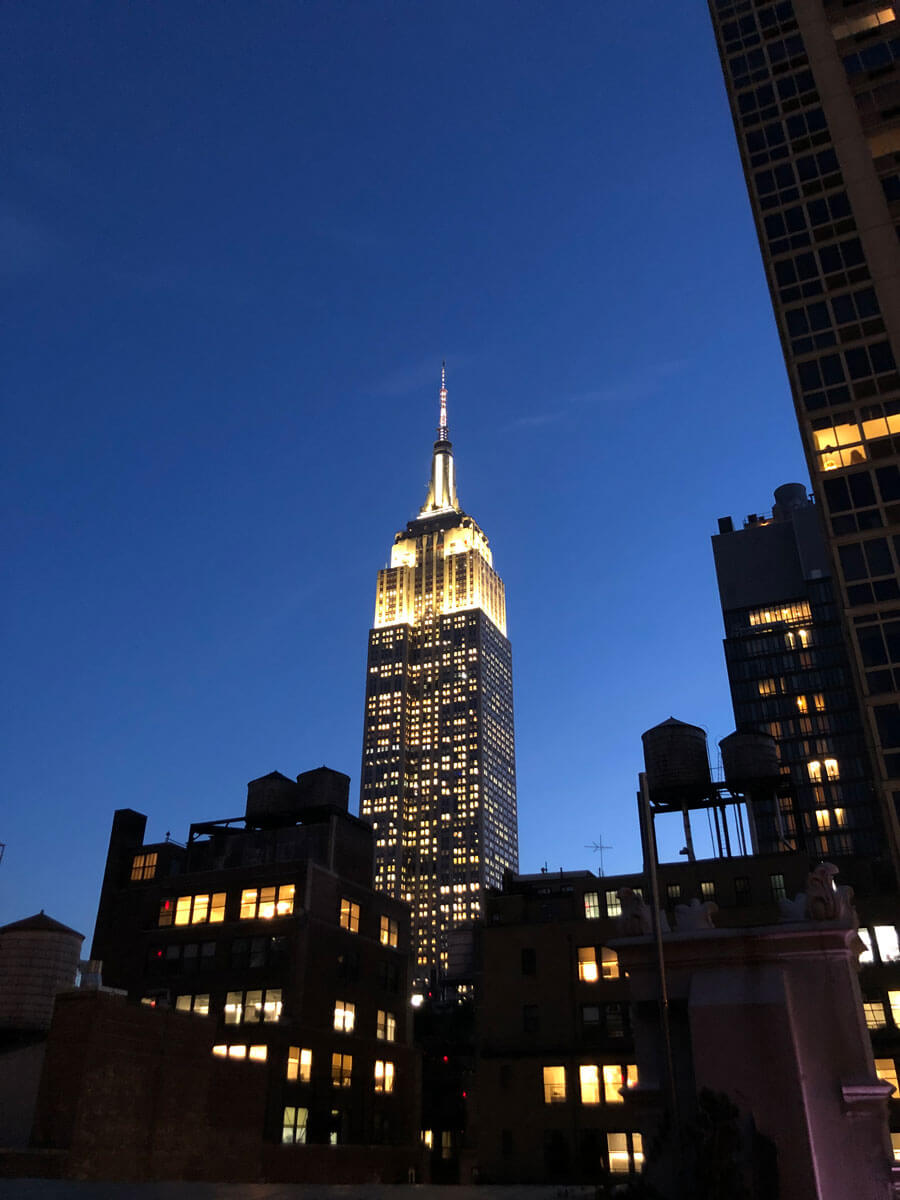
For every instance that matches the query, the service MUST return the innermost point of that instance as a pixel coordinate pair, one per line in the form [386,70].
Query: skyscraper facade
[790,676]
[438,782]
[814,89]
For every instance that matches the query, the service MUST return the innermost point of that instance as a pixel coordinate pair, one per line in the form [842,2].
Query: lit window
[344,1016]
[831,768]
[613,905]
[384,1076]
[766,687]
[249,1008]
[554,1085]
[143,866]
[428,1139]
[199,1005]
[886,1069]
[293,1126]
[609,962]
[341,1070]
[867,955]
[349,916]
[587,964]
[589,1082]
[894,1001]
[267,902]
[592,906]
[823,818]
[299,1065]
[819,702]
[895,1146]
[613,1082]
[840,816]
[814,770]
[386,1026]
[853,25]
[886,941]
[875,1015]
[241,1050]
[194,910]
[801,704]
[388,933]
[619,1156]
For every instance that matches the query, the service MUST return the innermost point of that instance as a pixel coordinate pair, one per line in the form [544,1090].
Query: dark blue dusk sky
[236,241]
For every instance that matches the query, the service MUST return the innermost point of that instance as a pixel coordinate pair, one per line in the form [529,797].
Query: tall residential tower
[438,766]
[814,88]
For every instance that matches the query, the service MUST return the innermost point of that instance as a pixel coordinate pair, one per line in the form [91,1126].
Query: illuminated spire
[443,432]
[442,487]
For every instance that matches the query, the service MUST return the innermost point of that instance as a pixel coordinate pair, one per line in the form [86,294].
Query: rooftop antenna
[599,846]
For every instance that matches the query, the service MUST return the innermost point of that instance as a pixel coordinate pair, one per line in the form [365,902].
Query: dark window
[590,1014]
[615,1020]
[861,489]
[871,646]
[888,483]
[878,557]
[506,1142]
[529,962]
[852,562]
[742,890]
[888,718]
[530,1019]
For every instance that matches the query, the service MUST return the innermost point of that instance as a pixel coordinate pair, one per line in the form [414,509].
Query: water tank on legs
[748,758]
[38,958]
[676,760]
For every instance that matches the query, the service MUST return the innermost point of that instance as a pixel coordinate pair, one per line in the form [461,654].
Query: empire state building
[438,765]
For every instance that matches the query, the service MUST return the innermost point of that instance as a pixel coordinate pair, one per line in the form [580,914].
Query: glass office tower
[814,90]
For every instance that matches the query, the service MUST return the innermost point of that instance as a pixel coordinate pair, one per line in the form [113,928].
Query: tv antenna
[599,847]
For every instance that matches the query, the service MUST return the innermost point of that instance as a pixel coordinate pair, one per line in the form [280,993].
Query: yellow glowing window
[886,1069]
[801,704]
[766,687]
[199,1005]
[823,818]
[166,911]
[344,1016]
[852,25]
[143,866]
[814,770]
[619,1156]
[388,932]
[299,1065]
[554,1085]
[875,1014]
[386,1026]
[895,1146]
[613,1082]
[384,1076]
[341,1070]
[783,614]
[835,436]
[428,1138]
[183,910]
[840,816]
[638,1155]
[831,768]
[349,915]
[609,961]
[589,1083]
[267,902]
[894,1001]
[293,1126]
[587,964]
[217,908]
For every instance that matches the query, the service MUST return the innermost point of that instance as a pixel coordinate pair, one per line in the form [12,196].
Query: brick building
[266,927]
